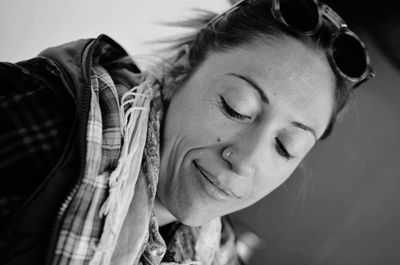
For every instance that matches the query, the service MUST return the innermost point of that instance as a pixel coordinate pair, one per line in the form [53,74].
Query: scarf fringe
[134,111]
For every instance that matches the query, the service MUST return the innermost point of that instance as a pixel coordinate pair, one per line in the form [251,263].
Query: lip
[226,192]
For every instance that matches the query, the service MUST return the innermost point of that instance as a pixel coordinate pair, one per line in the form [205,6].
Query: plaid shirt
[83,225]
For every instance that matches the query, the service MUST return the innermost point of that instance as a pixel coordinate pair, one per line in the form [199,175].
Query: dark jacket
[61,78]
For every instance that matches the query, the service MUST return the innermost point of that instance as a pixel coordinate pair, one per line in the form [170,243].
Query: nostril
[226,154]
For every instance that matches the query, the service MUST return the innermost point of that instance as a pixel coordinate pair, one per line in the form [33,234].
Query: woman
[153,161]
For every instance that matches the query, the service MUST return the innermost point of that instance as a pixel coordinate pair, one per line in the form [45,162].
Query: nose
[245,155]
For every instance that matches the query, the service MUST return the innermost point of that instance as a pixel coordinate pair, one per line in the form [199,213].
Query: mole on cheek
[218,139]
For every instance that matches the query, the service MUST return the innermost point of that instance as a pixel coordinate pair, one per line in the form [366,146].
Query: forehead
[279,60]
[293,76]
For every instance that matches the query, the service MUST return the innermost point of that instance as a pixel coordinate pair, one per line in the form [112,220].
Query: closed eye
[281,150]
[228,110]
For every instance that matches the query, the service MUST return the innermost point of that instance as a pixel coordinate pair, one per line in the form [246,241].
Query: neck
[163,215]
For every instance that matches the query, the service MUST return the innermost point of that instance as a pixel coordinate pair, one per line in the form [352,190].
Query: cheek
[271,177]
[198,118]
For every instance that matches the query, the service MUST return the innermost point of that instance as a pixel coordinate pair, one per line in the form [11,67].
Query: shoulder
[77,57]
[37,115]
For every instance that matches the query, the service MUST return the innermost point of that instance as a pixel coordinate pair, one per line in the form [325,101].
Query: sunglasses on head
[347,55]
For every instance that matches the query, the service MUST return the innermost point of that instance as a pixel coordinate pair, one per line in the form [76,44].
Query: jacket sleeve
[36,114]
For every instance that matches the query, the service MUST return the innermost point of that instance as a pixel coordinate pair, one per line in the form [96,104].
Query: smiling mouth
[215,182]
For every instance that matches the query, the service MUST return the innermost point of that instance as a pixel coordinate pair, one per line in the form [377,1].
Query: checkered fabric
[83,225]
[36,119]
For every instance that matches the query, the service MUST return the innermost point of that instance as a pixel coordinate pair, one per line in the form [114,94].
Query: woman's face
[239,127]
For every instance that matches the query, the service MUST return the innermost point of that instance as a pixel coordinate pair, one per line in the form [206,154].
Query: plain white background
[27,27]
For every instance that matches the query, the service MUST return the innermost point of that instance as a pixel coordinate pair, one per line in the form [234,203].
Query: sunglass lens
[349,55]
[301,15]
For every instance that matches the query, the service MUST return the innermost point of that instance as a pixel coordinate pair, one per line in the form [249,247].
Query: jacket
[26,237]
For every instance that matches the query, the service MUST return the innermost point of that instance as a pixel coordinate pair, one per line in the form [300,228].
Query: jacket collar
[76,58]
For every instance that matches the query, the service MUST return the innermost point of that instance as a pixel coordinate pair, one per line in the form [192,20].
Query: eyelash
[280,148]
[231,112]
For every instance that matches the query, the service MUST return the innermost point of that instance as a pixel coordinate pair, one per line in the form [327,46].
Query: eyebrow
[265,99]
[305,128]
[253,84]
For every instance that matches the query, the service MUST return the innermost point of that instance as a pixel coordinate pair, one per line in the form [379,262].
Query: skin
[198,184]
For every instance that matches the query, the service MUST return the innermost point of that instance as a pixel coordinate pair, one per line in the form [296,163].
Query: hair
[252,20]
